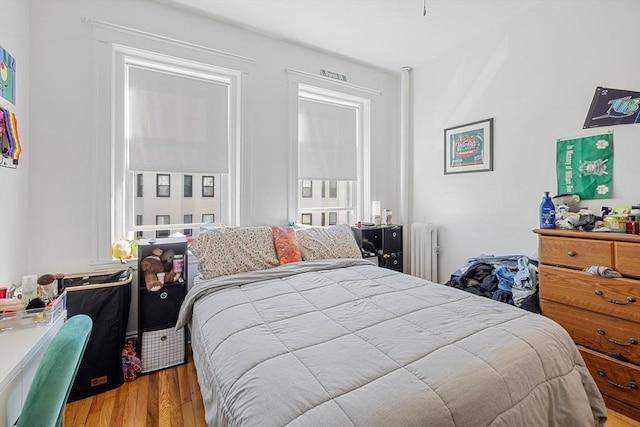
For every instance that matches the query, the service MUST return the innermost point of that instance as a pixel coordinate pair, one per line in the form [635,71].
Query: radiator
[424,251]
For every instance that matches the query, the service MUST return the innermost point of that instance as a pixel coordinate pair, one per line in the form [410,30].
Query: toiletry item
[547,212]
[387,217]
[29,288]
[3,292]
[632,225]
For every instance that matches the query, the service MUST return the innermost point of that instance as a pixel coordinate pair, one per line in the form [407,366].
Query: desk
[20,353]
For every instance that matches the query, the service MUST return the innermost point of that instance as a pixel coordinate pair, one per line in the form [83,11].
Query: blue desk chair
[48,393]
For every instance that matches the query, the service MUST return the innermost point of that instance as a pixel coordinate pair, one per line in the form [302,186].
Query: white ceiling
[390,34]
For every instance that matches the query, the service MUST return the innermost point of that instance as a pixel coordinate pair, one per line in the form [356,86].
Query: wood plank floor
[170,398]
[167,398]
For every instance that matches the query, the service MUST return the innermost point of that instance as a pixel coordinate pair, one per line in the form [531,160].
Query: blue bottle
[547,212]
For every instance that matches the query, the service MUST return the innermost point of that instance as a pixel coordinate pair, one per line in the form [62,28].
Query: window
[188,186]
[175,110]
[331,148]
[139,222]
[188,219]
[207,186]
[333,189]
[208,218]
[162,220]
[139,185]
[307,218]
[333,218]
[163,185]
[307,188]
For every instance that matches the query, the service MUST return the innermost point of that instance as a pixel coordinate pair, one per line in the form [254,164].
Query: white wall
[14,183]
[63,105]
[63,123]
[536,76]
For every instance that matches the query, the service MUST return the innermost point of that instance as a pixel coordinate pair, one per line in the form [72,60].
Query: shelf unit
[160,346]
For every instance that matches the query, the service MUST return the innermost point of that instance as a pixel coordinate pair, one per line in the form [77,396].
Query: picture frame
[469,147]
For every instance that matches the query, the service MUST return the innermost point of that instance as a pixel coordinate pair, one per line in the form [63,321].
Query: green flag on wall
[585,166]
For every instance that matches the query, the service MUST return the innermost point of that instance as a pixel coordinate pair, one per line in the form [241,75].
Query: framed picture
[469,148]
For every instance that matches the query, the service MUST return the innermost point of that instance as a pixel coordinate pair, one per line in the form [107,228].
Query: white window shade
[178,123]
[327,138]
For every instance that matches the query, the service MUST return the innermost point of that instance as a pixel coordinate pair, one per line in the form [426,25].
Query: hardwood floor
[170,398]
[167,398]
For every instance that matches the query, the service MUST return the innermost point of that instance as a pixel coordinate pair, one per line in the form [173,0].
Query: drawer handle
[631,386]
[632,341]
[571,253]
[629,300]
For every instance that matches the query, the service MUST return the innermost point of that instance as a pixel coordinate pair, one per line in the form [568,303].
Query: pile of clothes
[512,279]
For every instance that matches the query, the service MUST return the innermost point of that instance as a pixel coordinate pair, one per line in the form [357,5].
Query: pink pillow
[286,243]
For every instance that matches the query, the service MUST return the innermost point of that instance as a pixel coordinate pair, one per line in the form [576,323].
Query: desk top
[17,344]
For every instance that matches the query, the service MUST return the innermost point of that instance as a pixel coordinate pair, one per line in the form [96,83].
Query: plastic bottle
[633,226]
[547,212]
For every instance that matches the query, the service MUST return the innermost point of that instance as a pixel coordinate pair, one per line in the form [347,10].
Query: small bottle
[547,212]
[633,226]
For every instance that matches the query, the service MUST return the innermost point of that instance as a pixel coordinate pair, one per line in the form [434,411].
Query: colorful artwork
[468,148]
[584,166]
[7,76]
[10,147]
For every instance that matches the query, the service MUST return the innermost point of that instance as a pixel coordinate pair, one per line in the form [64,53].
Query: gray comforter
[345,343]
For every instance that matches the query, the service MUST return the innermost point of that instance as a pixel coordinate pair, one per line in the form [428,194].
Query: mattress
[345,343]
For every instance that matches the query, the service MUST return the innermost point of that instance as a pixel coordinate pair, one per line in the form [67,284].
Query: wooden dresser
[602,315]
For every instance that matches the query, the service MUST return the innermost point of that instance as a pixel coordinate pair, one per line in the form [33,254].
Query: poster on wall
[584,166]
[10,146]
[7,76]
[613,107]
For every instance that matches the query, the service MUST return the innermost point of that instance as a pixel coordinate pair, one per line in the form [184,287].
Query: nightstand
[384,242]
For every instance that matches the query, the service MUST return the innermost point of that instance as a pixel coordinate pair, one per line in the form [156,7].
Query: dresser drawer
[614,297]
[597,331]
[627,258]
[614,378]
[577,253]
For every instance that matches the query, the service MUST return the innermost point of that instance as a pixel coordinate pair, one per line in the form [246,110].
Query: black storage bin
[392,261]
[161,308]
[106,298]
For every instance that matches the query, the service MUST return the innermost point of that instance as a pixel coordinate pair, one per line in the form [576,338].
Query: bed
[337,341]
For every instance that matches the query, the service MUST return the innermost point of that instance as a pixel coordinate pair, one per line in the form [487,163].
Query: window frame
[164,232]
[306,191]
[212,186]
[158,185]
[186,187]
[361,96]
[112,44]
[187,231]
[139,185]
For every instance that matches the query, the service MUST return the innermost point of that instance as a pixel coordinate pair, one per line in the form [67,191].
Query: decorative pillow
[334,241]
[286,243]
[233,250]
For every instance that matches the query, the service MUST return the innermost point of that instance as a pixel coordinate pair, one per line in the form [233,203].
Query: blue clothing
[505,278]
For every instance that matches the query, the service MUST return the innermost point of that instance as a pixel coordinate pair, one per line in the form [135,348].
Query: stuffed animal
[121,249]
[152,266]
[167,260]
